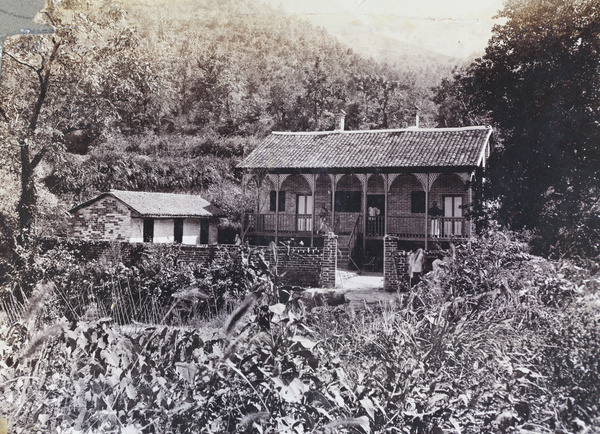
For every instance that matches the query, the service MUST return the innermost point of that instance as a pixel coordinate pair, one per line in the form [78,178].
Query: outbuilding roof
[161,204]
[402,148]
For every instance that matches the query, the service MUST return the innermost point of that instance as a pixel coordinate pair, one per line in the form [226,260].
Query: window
[148,230]
[178,231]
[274,200]
[347,201]
[204,231]
[417,202]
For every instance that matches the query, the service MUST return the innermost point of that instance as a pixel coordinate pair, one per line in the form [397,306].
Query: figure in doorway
[323,217]
[435,213]
[372,228]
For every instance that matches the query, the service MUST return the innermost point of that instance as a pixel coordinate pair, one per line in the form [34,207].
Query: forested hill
[245,68]
[168,98]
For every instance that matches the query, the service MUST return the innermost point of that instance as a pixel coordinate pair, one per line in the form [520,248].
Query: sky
[456,28]
[452,28]
[382,28]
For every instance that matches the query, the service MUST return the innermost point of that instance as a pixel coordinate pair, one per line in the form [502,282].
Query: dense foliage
[498,340]
[119,99]
[537,83]
[143,283]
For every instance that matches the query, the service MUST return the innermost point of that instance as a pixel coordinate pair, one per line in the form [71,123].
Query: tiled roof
[410,148]
[161,204]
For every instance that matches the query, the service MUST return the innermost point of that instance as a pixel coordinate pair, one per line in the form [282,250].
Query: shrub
[500,341]
[150,284]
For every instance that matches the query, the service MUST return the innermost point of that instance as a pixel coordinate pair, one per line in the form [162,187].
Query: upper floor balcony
[406,227]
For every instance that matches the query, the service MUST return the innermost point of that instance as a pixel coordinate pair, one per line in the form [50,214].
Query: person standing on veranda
[435,213]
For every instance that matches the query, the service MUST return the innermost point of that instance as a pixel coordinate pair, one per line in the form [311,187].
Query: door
[375,215]
[148,230]
[304,213]
[178,231]
[204,227]
[453,216]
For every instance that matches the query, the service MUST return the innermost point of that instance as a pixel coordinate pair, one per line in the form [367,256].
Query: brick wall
[329,261]
[347,220]
[399,197]
[104,219]
[390,273]
[448,184]
[293,186]
[301,266]
[395,265]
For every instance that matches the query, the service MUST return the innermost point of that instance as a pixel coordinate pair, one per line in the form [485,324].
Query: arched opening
[297,213]
[375,226]
[347,204]
[406,207]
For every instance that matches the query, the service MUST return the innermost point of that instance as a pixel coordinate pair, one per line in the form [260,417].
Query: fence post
[390,273]
[329,261]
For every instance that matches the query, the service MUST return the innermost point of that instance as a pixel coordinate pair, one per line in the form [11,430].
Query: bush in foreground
[500,341]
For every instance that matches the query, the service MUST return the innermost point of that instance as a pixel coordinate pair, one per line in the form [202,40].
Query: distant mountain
[391,50]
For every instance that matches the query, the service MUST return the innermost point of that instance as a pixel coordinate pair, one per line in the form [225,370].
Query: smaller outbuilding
[135,216]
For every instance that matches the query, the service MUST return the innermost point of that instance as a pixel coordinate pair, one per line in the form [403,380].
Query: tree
[75,81]
[538,83]
[25,133]
[456,108]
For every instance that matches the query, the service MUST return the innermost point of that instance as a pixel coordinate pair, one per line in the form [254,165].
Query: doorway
[453,216]
[375,215]
[148,236]
[204,229]
[304,211]
[178,231]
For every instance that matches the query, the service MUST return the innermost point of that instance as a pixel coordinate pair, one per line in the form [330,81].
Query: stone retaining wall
[301,266]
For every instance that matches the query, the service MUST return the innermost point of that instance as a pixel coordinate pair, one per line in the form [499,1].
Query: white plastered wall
[164,230]
[137,230]
[191,231]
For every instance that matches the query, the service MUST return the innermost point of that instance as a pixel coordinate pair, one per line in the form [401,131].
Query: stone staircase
[343,252]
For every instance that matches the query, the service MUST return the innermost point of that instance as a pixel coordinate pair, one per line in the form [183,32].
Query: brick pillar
[390,274]
[329,261]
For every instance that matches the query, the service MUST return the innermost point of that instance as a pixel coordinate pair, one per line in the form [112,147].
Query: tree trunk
[27,201]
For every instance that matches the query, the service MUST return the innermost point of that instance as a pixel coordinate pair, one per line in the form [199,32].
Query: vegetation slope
[170,98]
[498,341]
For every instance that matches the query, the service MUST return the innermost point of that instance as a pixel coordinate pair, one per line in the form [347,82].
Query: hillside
[168,98]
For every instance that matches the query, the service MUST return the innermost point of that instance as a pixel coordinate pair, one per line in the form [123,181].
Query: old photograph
[273,216]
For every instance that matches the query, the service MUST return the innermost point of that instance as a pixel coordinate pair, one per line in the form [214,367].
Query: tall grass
[500,342]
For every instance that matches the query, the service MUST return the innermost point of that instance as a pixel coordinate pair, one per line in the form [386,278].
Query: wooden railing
[353,236]
[404,226]
[375,226]
[409,226]
[352,240]
[336,226]
[288,223]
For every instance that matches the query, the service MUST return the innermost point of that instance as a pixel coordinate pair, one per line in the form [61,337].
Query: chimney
[417,117]
[339,120]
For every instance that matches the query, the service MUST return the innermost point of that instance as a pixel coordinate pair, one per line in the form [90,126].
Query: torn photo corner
[17,18]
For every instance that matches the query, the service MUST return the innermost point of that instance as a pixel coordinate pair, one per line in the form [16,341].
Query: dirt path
[358,290]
